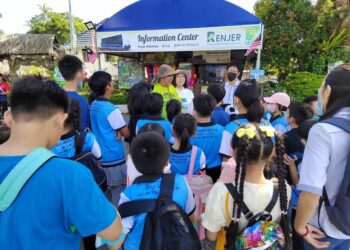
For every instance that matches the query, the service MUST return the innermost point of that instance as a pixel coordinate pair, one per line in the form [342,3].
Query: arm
[112,232]
[124,132]
[290,162]
[117,122]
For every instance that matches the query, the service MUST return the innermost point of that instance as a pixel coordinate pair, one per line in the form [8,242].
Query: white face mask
[271,108]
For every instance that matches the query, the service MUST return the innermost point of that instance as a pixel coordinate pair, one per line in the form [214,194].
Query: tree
[299,36]
[49,22]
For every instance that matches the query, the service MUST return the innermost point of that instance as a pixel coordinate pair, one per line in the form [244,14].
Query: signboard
[220,57]
[257,74]
[197,39]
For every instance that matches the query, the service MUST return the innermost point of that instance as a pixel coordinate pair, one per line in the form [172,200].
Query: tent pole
[258,60]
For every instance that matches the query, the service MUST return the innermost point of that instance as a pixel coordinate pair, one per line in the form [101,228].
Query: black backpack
[167,226]
[339,213]
[88,160]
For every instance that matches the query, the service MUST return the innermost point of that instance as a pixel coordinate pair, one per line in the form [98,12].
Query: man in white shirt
[231,85]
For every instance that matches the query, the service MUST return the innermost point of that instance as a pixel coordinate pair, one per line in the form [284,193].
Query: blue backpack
[339,214]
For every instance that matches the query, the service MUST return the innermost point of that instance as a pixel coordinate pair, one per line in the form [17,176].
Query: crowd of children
[173,136]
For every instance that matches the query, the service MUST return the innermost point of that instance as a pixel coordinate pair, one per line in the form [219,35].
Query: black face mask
[231,76]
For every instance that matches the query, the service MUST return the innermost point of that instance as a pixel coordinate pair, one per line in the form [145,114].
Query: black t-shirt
[293,142]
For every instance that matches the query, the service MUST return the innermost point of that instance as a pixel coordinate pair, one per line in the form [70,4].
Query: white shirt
[256,197]
[323,164]
[186,97]
[230,91]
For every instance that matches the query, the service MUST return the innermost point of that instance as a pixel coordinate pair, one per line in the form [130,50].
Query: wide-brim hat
[165,70]
[278,98]
[187,73]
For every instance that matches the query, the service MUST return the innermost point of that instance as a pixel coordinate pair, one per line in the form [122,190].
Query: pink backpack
[201,185]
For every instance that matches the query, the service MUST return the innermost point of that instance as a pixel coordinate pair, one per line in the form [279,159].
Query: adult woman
[186,95]
[323,166]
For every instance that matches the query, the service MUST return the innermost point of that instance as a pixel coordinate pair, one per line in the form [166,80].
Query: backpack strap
[339,122]
[192,161]
[135,207]
[79,141]
[236,199]
[13,183]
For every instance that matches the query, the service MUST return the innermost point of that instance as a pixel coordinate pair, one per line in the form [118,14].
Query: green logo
[211,37]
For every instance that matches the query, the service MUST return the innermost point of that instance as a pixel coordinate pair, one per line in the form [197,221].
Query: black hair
[73,120]
[339,81]
[217,91]
[33,98]
[173,109]
[69,66]
[154,104]
[304,129]
[310,99]
[232,65]
[260,147]
[152,127]
[186,80]
[5,132]
[150,153]
[204,105]
[98,83]
[250,94]
[184,127]
[300,112]
[135,99]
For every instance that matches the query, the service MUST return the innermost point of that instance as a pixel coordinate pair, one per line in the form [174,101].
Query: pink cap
[278,98]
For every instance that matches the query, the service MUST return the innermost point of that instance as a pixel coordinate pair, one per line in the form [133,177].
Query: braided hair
[249,150]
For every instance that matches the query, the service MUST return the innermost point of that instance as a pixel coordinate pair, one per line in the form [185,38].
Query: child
[154,105]
[219,115]
[71,69]
[150,153]
[132,172]
[276,105]
[173,109]
[252,147]
[65,148]
[108,125]
[208,135]
[248,101]
[181,152]
[60,202]
[312,101]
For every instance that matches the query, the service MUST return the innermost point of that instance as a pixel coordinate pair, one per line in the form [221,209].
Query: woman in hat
[180,82]
[163,86]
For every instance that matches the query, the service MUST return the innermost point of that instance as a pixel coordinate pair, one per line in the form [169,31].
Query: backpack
[167,226]
[88,160]
[200,185]
[339,214]
[13,183]
[261,232]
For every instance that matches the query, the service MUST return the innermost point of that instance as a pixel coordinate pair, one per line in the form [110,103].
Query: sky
[15,13]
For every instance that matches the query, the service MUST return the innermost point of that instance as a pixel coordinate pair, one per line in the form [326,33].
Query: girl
[180,82]
[248,100]
[181,152]
[173,109]
[65,148]
[275,106]
[253,146]
[108,125]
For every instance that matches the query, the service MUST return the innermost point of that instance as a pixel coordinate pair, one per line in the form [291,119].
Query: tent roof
[177,14]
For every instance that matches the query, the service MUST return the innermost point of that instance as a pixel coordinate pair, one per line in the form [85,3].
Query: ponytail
[184,127]
[255,111]
[92,98]
[185,137]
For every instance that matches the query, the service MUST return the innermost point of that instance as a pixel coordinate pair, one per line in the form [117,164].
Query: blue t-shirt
[84,109]
[220,117]
[280,124]
[208,137]
[180,161]
[182,195]
[295,191]
[61,194]
[164,123]
[106,119]
[65,148]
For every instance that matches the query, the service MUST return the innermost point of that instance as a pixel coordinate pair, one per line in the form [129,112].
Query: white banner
[200,39]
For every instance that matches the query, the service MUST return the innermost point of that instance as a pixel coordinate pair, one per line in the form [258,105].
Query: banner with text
[198,39]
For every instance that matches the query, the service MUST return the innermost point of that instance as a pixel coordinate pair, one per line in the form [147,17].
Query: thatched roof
[31,44]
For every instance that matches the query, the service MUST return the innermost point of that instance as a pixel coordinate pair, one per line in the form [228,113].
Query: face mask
[319,106]
[271,108]
[231,76]
[80,85]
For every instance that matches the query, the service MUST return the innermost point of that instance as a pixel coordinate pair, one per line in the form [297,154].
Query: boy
[208,135]
[150,154]
[219,115]
[71,69]
[60,203]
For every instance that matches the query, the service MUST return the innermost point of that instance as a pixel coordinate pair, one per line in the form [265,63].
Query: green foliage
[118,97]
[297,85]
[299,36]
[49,22]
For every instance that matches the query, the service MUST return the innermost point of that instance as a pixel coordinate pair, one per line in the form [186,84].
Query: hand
[313,237]
[290,161]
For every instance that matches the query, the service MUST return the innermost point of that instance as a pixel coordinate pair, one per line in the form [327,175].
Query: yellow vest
[168,94]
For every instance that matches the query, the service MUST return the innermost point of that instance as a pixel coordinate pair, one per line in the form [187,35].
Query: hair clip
[269,131]
[250,132]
